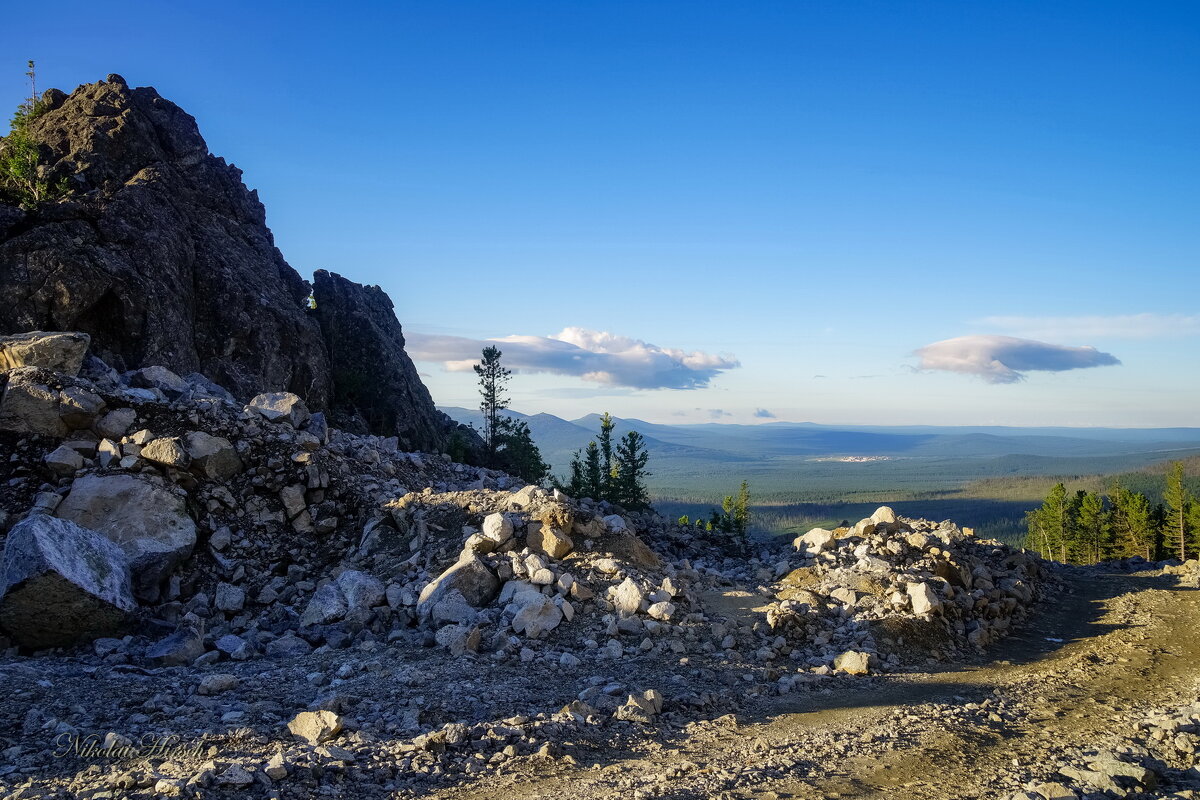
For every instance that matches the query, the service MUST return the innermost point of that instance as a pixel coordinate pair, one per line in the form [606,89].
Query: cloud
[762,413]
[717,413]
[596,356]
[1120,326]
[1005,359]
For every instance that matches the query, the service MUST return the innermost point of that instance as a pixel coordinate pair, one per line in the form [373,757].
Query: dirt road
[1077,676]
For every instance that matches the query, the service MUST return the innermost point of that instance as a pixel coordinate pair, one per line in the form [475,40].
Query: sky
[839,212]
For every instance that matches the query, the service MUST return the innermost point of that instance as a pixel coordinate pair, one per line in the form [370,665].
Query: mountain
[157,250]
[558,439]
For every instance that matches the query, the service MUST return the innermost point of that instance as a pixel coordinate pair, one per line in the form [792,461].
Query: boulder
[116,423]
[283,407]
[29,406]
[315,726]
[57,352]
[543,538]
[626,597]
[63,460]
[817,540]
[182,647]
[538,615]
[458,639]
[924,601]
[472,579]
[61,583]
[167,451]
[79,407]
[158,377]
[498,528]
[213,456]
[884,515]
[327,605]
[229,598]
[361,590]
[141,516]
[853,662]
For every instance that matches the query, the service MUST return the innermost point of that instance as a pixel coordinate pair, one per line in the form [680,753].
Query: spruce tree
[1092,527]
[593,472]
[1131,524]
[631,459]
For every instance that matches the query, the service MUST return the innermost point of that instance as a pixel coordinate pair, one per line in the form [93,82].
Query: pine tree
[1049,525]
[631,460]
[606,457]
[492,380]
[741,511]
[1179,503]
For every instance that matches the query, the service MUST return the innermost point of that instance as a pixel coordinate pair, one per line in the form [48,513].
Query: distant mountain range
[785,458]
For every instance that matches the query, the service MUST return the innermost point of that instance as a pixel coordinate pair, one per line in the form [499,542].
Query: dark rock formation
[161,254]
[376,386]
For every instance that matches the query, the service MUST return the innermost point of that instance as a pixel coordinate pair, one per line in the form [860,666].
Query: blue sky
[784,200]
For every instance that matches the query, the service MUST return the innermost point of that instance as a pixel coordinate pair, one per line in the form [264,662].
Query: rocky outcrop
[161,255]
[376,386]
[158,251]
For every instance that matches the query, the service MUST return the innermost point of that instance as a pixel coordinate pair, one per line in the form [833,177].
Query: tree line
[1088,527]
[617,473]
[604,470]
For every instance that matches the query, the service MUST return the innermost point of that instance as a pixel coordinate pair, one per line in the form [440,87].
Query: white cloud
[1120,326]
[763,413]
[1005,359]
[596,356]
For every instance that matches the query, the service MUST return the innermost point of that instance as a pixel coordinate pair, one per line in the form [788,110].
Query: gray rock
[141,516]
[230,598]
[282,407]
[327,605]
[213,456]
[470,577]
[61,583]
[116,423]
[360,589]
[63,460]
[58,352]
[627,597]
[182,647]
[538,615]
[853,662]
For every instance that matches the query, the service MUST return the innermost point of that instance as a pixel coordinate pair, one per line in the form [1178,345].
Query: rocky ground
[205,598]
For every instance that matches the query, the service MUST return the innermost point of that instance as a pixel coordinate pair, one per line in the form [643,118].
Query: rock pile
[398,607]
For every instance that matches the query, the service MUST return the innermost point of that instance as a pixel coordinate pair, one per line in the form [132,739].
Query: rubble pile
[323,603]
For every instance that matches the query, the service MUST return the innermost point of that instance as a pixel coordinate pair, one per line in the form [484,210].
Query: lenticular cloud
[596,356]
[1006,359]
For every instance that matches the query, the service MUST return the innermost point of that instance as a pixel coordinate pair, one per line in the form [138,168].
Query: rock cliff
[160,252]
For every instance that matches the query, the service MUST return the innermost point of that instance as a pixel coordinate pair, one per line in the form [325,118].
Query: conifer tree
[1092,528]
[631,459]
[593,472]
[1179,503]
[516,452]
[493,378]
[606,456]
[1131,524]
